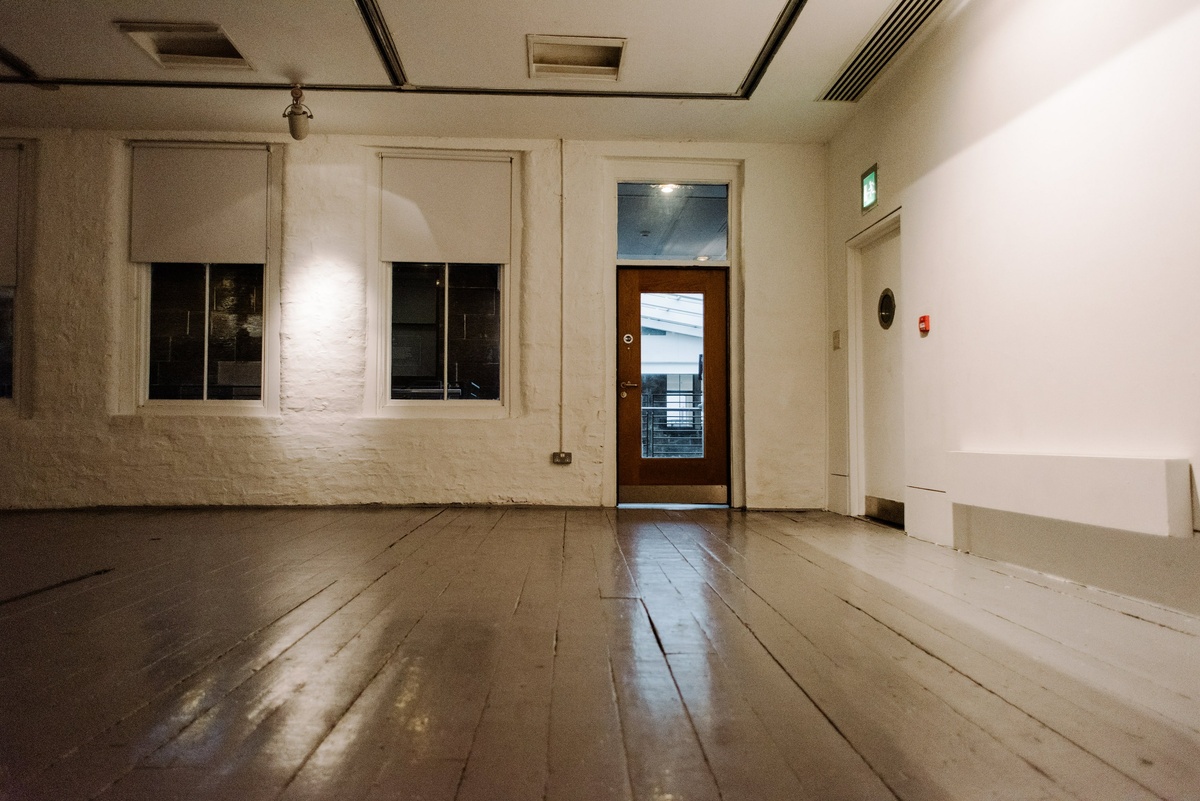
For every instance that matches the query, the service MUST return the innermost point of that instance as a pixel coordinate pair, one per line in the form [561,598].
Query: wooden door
[672,386]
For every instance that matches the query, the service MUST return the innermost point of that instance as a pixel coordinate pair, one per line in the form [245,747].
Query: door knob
[628,384]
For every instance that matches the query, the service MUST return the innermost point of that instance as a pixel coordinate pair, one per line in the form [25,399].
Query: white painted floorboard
[463,653]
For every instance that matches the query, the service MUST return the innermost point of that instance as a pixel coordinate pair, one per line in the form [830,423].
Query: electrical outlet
[561,457]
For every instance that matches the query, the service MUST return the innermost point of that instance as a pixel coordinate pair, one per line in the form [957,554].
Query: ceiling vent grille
[896,28]
[181,45]
[575,56]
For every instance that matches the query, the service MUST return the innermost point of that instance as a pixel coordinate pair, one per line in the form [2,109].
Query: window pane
[418,305]
[473,331]
[673,222]
[235,332]
[176,331]
[672,375]
[6,342]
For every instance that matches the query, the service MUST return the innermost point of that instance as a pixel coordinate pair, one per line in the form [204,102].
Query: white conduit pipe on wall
[562,295]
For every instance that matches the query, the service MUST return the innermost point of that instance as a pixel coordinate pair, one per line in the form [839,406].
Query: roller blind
[199,204]
[446,210]
[10,163]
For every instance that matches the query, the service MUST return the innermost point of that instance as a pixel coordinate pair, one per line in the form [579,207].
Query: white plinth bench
[1149,496]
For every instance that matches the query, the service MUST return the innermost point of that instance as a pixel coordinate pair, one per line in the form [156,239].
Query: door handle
[628,384]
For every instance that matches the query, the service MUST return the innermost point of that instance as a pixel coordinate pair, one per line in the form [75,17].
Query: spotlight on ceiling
[297,114]
[667,189]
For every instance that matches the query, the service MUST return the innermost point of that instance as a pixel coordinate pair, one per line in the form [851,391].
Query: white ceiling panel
[285,42]
[673,46]
[464,61]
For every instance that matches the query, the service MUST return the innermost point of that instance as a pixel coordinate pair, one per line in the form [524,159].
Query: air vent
[185,45]
[574,56]
[896,28]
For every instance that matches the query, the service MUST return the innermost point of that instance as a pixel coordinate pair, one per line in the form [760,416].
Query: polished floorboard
[658,655]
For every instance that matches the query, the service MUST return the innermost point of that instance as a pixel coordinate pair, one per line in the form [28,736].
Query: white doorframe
[680,171]
[856,422]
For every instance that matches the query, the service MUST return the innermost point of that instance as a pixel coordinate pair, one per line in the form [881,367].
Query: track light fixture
[298,114]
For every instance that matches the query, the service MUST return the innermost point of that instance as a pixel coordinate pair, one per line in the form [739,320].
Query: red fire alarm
[923,323]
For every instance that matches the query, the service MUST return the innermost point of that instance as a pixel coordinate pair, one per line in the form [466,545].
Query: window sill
[442,409]
[208,408]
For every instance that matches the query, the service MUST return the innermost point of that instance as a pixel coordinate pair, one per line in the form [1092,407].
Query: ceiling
[692,69]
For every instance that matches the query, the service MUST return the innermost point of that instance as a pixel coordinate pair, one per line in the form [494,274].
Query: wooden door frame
[644,170]
[856,411]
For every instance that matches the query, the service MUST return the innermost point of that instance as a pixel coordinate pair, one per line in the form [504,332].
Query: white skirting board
[1145,495]
[929,516]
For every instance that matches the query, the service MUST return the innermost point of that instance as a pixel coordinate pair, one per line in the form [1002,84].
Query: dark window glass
[473,331]
[6,342]
[445,331]
[418,307]
[198,310]
[235,326]
[176,331]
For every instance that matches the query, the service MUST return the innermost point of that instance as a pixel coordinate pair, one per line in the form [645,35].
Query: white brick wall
[75,449]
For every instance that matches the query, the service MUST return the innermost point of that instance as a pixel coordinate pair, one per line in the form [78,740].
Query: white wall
[76,443]
[677,354]
[1045,157]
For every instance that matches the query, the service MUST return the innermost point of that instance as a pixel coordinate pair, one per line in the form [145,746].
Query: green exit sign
[870,188]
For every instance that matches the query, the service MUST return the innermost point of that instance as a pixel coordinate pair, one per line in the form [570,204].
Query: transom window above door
[672,222]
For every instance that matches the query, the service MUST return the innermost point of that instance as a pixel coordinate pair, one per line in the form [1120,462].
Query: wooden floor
[449,653]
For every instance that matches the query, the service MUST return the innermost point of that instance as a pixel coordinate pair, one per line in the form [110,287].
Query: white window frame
[135,399]
[378,401]
[208,296]
[445,329]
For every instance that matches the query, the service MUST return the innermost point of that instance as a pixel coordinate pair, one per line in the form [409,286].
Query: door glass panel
[672,375]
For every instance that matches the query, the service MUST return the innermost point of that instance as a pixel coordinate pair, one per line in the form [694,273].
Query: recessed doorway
[676,437]
[877,470]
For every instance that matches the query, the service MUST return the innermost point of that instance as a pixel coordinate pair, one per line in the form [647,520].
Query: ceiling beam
[385,46]
[366,88]
[783,26]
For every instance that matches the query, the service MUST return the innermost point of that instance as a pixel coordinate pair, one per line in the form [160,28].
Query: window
[10,188]
[445,252]
[445,331]
[681,395]
[7,294]
[200,220]
[206,331]
[672,222]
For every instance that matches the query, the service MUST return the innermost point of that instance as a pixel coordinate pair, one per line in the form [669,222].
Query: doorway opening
[673,346]
[878,483]
[672,386]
